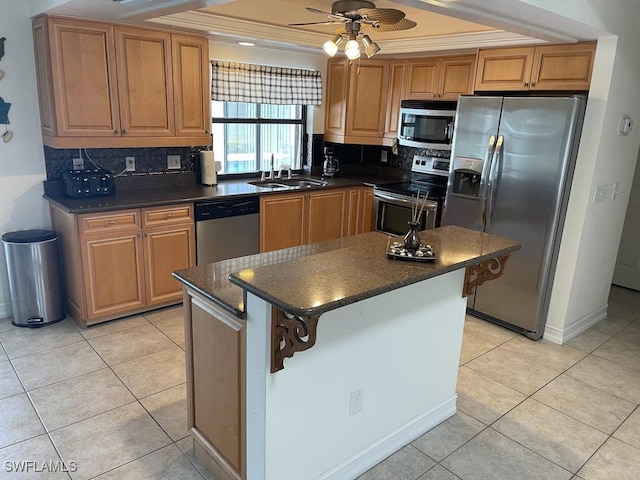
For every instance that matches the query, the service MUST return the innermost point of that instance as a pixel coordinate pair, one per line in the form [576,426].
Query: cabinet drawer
[167,215]
[91,223]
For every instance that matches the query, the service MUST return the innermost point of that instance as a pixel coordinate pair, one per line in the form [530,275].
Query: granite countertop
[313,279]
[150,196]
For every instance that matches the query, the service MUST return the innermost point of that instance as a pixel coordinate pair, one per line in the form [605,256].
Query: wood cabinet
[294,219]
[103,85]
[120,262]
[439,78]
[282,221]
[395,95]
[550,67]
[326,217]
[356,99]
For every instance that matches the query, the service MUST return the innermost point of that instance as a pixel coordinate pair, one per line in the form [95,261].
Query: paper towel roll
[208,168]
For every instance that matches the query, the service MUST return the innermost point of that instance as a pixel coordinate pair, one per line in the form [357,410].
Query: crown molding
[221,28]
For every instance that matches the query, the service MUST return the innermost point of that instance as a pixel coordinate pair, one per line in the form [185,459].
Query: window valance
[242,82]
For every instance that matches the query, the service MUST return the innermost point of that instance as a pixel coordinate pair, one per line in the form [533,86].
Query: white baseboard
[5,309]
[391,443]
[563,335]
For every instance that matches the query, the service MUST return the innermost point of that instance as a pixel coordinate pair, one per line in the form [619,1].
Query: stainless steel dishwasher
[226,228]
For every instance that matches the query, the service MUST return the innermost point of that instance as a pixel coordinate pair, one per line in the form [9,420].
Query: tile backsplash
[148,161]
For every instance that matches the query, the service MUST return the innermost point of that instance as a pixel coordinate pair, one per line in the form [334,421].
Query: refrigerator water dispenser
[466,177]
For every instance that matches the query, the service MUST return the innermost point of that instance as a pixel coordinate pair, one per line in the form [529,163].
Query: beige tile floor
[111,402]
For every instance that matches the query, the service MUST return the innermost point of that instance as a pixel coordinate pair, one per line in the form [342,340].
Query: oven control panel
[432,165]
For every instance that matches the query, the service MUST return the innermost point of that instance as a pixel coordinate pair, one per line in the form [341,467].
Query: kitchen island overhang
[387,331]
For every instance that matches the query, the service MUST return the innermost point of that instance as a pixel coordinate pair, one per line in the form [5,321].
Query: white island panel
[401,347]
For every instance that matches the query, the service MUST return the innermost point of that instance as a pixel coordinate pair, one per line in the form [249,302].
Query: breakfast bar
[322,360]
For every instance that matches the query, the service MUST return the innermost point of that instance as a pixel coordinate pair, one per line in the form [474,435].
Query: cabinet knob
[526,84]
[112,222]
[124,131]
[116,132]
[533,84]
[169,215]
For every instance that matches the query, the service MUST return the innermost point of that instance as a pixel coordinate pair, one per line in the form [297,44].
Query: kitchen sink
[289,183]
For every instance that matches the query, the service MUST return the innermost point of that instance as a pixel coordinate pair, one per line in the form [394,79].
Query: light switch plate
[173,162]
[601,193]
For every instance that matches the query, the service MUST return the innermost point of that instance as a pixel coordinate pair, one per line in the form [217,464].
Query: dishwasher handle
[223,208]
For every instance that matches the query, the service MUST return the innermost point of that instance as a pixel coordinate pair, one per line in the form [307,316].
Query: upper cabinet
[356,100]
[439,78]
[553,67]
[103,85]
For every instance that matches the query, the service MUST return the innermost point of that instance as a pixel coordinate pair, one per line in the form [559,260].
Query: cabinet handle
[116,132]
[169,215]
[124,131]
[526,84]
[138,235]
[112,222]
[533,84]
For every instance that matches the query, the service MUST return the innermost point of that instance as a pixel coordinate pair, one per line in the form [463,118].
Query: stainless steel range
[392,202]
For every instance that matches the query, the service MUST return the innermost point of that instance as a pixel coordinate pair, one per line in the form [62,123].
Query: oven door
[392,213]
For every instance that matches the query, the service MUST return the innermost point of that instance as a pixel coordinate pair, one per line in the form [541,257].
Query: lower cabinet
[294,219]
[120,262]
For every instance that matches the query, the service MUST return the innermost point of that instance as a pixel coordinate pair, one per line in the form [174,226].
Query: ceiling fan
[354,15]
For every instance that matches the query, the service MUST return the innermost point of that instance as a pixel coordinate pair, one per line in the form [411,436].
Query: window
[246,135]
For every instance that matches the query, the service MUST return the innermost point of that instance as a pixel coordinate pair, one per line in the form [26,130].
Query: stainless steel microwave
[424,124]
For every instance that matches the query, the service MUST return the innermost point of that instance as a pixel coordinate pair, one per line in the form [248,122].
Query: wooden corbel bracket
[290,334]
[476,275]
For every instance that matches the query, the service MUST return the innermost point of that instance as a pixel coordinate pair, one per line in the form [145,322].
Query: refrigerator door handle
[483,177]
[491,184]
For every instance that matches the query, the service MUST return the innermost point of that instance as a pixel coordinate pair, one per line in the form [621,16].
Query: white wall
[22,167]
[265,56]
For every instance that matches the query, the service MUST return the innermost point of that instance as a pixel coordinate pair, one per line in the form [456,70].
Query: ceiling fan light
[352,50]
[331,46]
[370,47]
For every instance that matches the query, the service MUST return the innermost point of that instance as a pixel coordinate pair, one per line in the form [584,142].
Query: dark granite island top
[365,330]
[312,279]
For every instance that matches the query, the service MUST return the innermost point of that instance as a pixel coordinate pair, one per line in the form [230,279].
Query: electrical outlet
[173,162]
[130,164]
[383,156]
[355,401]
[78,163]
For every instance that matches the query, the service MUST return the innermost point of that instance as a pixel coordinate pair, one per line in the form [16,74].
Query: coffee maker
[331,165]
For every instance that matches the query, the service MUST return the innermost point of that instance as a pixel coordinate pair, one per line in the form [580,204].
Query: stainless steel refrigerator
[512,164]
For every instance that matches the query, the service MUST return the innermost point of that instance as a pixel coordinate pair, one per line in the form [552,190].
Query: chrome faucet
[264,176]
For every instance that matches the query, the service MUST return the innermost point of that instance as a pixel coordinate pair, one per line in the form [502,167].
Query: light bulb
[370,47]
[352,50]
[331,46]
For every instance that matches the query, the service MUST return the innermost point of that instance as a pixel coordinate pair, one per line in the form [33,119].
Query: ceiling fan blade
[404,24]
[334,22]
[322,12]
[382,15]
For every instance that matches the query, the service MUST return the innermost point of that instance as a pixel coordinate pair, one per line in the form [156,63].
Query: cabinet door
[114,277]
[167,249]
[145,84]
[282,220]
[192,89]
[353,211]
[563,67]
[395,95]
[422,79]
[83,72]
[457,75]
[504,69]
[366,108]
[336,99]
[326,215]
[366,210]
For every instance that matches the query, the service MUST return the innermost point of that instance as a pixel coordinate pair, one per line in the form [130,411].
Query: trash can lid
[28,236]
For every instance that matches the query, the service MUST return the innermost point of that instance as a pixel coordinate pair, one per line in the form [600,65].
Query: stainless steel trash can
[34,277]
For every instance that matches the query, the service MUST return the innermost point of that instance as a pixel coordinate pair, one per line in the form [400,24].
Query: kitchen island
[322,360]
